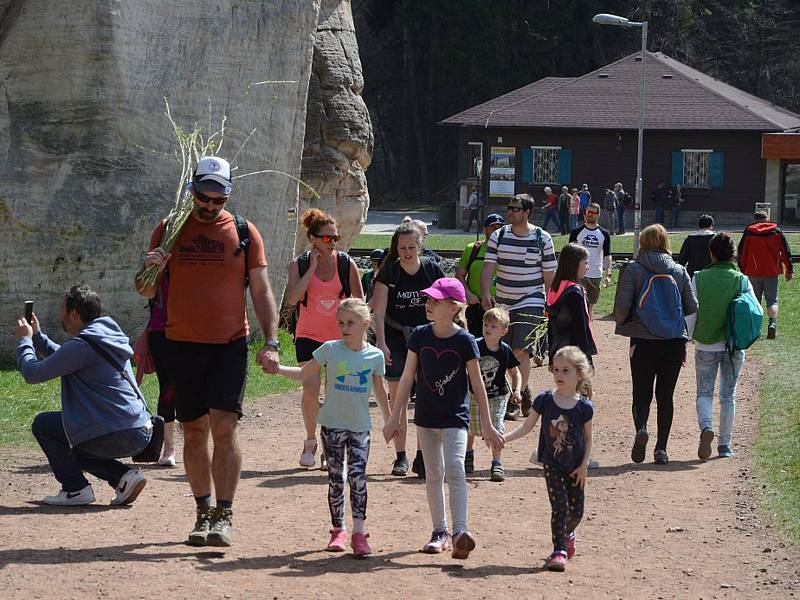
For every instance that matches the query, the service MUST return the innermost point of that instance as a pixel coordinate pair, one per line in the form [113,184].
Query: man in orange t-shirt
[207,339]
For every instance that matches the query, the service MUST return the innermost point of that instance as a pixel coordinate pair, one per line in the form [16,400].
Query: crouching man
[103,416]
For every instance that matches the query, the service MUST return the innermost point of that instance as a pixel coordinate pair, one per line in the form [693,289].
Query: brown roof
[676,97]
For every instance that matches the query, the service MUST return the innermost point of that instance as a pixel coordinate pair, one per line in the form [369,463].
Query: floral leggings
[566,502]
[336,442]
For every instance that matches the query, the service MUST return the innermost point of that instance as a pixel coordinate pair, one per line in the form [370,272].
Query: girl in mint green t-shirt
[353,371]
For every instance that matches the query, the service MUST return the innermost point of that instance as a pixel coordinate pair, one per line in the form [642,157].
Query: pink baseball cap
[446,288]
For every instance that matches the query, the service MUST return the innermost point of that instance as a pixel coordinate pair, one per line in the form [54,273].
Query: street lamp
[617,21]
[481,208]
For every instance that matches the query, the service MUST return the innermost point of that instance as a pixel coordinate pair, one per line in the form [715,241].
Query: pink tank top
[317,320]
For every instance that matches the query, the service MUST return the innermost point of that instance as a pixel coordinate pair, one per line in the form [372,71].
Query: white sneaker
[167,458]
[534,459]
[309,450]
[129,487]
[65,498]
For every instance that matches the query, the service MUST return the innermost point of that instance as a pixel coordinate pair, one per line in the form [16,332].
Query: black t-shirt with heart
[442,381]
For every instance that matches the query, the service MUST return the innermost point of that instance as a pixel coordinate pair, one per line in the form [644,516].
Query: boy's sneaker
[512,413]
[307,456]
[129,487]
[772,331]
[527,403]
[64,498]
[463,544]
[639,446]
[440,541]
[469,462]
[198,535]
[219,533]
[338,541]
[725,452]
[556,562]
[359,544]
[497,472]
[571,545]
[704,449]
[400,466]
[418,466]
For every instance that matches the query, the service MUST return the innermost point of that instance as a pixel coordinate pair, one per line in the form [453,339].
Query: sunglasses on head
[327,239]
[215,201]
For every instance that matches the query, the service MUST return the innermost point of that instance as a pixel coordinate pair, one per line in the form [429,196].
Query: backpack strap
[303,262]
[244,243]
[103,353]
[473,255]
[343,269]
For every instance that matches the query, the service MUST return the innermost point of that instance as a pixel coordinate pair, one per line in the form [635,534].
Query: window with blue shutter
[527,165]
[717,170]
[564,166]
[677,168]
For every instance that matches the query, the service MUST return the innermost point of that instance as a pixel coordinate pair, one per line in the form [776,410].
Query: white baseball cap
[213,169]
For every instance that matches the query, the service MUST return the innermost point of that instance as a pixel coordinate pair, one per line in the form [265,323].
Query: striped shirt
[520,262]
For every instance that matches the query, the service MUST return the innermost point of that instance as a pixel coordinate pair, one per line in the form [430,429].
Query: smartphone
[29,311]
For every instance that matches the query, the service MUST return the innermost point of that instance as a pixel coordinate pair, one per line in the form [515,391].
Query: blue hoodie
[95,398]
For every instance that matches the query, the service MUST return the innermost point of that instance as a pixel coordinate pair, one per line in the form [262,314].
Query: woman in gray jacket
[654,322]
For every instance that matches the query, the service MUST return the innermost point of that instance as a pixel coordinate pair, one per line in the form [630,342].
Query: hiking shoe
[556,562]
[81,497]
[219,533]
[511,413]
[497,473]
[639,445]
[338,541]
[129,487]
[725,452]
[418,466]
[469,462]
[772,331]
[400,466]
[307,456]
[571,545]
[167,458]
[463,544]
[704,449]
[359,544]
[527,403]
[199,533]
[660,457]
[440,541]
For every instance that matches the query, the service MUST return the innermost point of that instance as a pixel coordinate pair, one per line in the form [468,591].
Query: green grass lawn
[21,402]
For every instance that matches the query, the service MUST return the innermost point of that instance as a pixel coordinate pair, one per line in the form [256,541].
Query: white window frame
[697,184]
[471,168]
[533,165]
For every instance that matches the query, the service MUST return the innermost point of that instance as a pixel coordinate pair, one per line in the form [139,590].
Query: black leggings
[659,362]
[166,391]
[566,503]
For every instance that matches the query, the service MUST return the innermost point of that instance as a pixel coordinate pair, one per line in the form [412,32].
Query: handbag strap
[120,369]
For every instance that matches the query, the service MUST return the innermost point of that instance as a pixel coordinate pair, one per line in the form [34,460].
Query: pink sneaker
[571,545]
[309,450]
[556,562]
[338,540]
[359,544]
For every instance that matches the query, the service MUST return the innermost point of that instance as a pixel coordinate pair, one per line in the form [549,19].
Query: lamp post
[617,21]
[481,208]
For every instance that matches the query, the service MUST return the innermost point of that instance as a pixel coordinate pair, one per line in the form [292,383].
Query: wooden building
[699,132]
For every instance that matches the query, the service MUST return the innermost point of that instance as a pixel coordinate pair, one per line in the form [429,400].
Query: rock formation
[85,149]
[338,141]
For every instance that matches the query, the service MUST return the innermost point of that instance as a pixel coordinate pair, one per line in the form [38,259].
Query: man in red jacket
[763,255]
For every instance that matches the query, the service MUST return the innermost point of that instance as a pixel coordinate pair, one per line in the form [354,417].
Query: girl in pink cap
[443,358]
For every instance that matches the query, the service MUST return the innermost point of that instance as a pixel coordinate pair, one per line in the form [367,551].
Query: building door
[791,194]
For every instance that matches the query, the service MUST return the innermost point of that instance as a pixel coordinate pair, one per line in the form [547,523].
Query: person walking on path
[715,287]
[564,202]
[443,358]
[677,198]
[763,255]
[368,278]
[566,442]
[398,308]
[659,198]
[474,207]
[654,295]
[470,267]
[694,250]
[524,259]
[353,371]
[610,201]
[103,414]
[597,240]
[207,339]
[318,281]
[550,209]
[624,200]
[424,251]
[586,197]
[574,209]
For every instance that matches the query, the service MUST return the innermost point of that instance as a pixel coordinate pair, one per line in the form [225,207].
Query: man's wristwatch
[274,344]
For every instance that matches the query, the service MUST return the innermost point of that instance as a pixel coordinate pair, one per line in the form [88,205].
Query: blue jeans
[620,219]
[550,214]
[675,214]
[95,456]
[660,214]
[706,366]
[573,222]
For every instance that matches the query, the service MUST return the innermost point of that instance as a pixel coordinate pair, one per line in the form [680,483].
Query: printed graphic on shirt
[598,242]
[489,368]
[201,250]
[327,303]
[352,381]
[562,439]
[439,368]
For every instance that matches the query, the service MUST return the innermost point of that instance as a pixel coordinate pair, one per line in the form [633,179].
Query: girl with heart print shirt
[444,359]
[566,443]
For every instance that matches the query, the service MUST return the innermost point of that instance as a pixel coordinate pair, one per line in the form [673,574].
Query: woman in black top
[399,308]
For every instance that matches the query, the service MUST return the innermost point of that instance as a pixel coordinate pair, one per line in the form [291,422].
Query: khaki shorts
[497,413]
[592,287]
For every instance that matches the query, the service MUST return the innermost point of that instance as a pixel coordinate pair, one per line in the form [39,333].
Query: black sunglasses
[514,208]
[215,201]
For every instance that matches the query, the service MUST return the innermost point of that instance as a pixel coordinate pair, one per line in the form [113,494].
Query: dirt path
[687,530]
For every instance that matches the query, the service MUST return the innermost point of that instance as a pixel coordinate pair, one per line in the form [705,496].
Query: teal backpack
[743,323]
